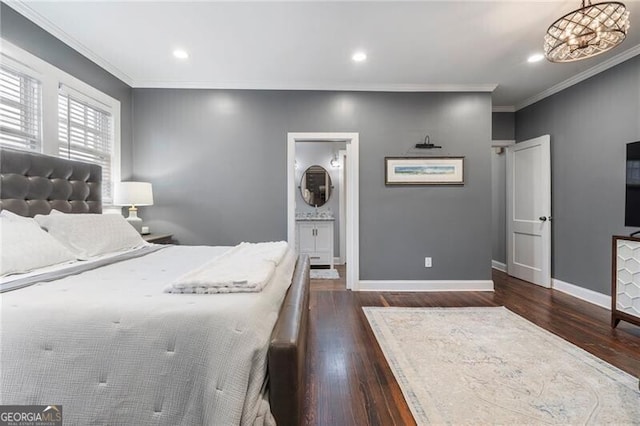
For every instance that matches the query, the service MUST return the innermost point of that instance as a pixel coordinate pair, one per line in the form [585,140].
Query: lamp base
[134,220]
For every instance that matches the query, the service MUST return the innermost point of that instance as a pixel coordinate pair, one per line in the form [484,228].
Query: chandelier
[586,32]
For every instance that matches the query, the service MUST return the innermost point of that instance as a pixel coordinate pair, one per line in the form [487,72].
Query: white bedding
[112,348]
[247,267]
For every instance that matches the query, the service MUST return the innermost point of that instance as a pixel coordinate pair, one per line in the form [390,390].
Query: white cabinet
[625,280]
[315,239]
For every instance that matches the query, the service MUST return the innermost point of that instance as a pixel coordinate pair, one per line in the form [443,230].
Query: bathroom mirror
[315,186]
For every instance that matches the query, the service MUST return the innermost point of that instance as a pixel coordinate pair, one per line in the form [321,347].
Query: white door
[529,211]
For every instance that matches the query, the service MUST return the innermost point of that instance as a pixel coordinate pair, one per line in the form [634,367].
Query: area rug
[324,274]
[491,366]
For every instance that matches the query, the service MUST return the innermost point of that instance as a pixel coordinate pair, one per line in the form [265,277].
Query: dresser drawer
[320,258]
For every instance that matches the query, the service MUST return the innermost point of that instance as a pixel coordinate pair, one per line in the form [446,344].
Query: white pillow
[89,235]
[8,215]
[24,246]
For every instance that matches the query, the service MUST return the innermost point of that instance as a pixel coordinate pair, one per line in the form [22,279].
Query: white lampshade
[133,194]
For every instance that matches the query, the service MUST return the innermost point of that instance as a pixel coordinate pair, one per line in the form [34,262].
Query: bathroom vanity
[314,237]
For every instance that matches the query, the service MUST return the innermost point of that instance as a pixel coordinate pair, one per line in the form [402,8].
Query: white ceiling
[431,45]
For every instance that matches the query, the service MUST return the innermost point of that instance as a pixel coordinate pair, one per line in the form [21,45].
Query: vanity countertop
[314,217]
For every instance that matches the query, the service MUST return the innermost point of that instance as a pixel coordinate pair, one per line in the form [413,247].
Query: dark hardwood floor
[350,383]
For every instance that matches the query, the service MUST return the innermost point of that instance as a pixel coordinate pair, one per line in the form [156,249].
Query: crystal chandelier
[586,32]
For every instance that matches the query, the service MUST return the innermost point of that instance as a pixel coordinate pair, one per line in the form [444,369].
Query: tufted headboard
[32,183]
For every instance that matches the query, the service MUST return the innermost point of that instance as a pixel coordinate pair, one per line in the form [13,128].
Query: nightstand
[158,238]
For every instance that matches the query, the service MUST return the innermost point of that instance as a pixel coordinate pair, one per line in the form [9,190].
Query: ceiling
[415,46]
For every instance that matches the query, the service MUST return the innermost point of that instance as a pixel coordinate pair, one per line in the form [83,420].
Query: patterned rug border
[412,401]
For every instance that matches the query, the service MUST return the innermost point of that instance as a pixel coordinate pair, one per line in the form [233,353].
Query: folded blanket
[246,267]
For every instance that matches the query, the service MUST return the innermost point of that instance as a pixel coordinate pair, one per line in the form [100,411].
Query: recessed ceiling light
[180,54]
[359,57]
[536,57]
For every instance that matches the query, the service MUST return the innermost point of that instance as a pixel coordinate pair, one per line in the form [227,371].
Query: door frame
[546,183]
[499,147]
[342,155]
[352,198]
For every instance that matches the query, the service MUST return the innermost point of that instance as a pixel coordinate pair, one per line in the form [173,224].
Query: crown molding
[506,108]
[23,8]
[603,66]
[314,86]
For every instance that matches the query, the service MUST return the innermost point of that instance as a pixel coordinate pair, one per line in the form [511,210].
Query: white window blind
[20,110]
[85,134]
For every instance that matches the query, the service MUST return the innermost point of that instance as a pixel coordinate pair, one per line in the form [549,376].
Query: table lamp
[133,194]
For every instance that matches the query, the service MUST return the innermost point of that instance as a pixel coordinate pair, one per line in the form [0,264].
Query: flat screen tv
[632,205]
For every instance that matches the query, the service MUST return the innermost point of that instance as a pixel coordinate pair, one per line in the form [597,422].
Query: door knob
[543,218]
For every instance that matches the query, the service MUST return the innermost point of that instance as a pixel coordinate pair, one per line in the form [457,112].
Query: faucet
[316,206]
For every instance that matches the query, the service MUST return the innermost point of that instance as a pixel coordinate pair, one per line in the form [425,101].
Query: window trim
[52,78]
[17,68]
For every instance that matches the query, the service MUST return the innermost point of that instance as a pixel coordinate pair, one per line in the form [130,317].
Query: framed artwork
[424,171]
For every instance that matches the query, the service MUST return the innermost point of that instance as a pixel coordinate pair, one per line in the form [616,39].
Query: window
[84,134]
[44,109]
[20,110]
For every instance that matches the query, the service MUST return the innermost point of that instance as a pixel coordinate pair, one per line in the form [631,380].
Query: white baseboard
[429,285]
[499,266]
[582,293]
[338,261]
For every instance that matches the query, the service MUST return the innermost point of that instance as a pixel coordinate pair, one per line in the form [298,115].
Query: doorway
[350,193]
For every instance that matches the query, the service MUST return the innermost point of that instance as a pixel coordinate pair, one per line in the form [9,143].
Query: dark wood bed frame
[32,183]
[287,351]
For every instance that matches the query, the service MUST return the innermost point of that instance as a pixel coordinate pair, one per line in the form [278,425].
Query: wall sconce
[427,144]
[335,162]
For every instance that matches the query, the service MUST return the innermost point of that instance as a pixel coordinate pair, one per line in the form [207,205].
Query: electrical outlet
[427,262]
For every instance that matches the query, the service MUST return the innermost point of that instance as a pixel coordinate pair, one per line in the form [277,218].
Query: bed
[105,342]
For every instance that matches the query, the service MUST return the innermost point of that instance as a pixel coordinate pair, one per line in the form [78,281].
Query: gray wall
[589,124]
[217,160]
[321,153]
[503,126]
[498,206]
[25,34]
